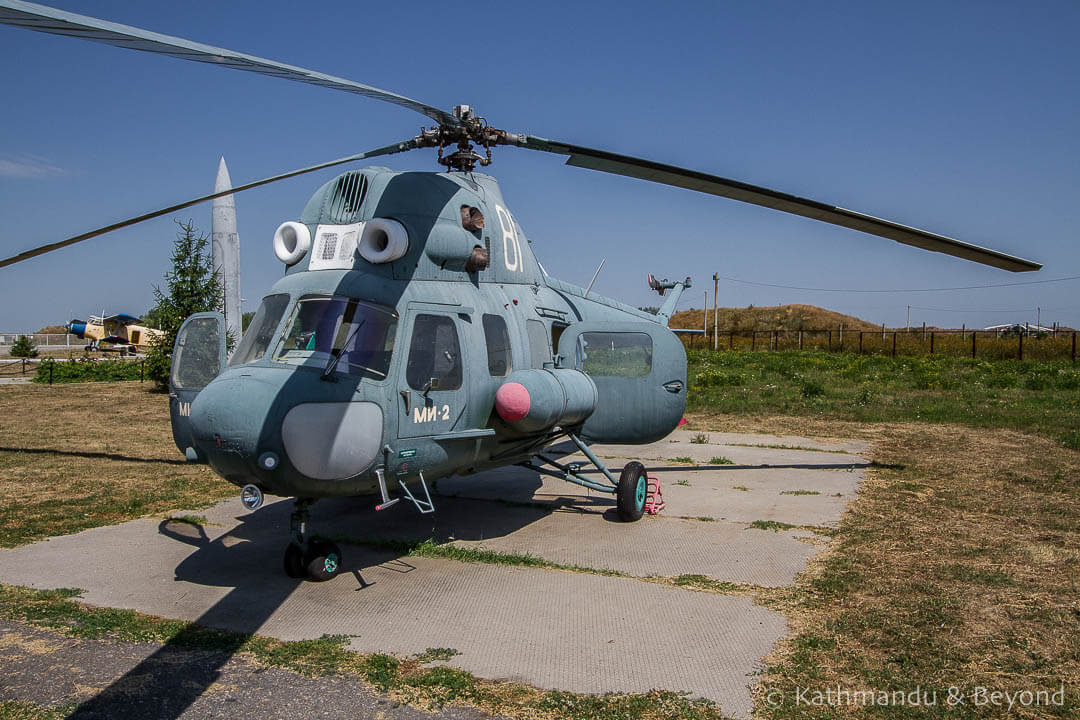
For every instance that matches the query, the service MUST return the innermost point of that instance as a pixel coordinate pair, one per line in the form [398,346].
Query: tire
[294,564]
[323,561]
[632,492]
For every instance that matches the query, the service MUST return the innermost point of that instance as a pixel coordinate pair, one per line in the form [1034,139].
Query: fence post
[931,342]
[753,339]
[860,342]
[24,366]
[800,340]
[1074,348]
[1021,353]
[731,341]
[830,340]
[142,367]
[52,363]
[973,344]
[894,343]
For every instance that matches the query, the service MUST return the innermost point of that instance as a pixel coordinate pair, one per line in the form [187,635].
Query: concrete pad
[553,629]
[707,492]
[654,546]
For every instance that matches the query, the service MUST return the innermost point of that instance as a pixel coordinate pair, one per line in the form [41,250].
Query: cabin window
[498,346]
[260,332]
[615,354]
[539,346]
[355,337]
[434,354]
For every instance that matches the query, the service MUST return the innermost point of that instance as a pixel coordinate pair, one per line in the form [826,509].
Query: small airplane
[119,330]
[415,335]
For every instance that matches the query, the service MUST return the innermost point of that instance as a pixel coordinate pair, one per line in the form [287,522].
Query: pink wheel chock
[654,500]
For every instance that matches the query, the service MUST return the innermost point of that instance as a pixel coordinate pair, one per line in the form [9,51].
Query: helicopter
[415,335]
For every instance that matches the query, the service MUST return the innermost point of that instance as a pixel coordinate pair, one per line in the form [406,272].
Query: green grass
[1040,396]
[773,525]
[685,459]
[700,439]
[720,460]
[742,488]
[799,492]
[433,654]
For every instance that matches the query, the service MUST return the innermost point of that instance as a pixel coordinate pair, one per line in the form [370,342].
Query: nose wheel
[317,560]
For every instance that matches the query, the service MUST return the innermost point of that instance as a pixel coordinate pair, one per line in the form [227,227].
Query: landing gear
[317,560]
[632,491]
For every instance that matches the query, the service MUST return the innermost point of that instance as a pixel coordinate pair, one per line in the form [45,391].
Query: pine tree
[190,287]
[23,347]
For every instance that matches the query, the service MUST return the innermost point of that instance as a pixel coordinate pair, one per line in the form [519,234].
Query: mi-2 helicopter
[414,335]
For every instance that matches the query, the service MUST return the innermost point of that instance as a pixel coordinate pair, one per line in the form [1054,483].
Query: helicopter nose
[227,416]
[239,419]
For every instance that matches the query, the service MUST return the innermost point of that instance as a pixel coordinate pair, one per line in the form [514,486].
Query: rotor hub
[471,128]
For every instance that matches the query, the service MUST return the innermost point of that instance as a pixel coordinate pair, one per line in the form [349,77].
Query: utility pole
[716,312]
[705,317]
[1038,319]
[908,326]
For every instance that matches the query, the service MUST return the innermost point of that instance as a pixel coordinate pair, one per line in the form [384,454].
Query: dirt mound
[777,317]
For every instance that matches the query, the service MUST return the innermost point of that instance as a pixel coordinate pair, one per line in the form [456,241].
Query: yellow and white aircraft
[119,330]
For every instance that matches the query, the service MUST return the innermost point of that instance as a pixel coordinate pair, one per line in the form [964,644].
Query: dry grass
[958,565]
[79,456]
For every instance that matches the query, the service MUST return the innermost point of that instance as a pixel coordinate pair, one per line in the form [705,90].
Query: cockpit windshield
[351,336]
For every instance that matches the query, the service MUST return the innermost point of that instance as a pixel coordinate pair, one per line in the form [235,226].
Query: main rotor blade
[693,180]
[388,150]
[50,20]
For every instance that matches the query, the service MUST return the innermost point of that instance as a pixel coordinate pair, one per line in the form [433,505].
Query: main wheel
[633,488]
[295,567]
[323,561]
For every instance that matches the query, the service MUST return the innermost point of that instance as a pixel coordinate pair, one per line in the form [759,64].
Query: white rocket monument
[226,246]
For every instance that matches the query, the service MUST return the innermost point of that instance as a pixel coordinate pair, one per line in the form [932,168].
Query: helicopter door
[640,373]
[198,356]
[432,383]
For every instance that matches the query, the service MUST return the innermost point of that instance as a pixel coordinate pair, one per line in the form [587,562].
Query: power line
[914,290]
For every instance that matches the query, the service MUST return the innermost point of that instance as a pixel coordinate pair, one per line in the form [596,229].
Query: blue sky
[957,117]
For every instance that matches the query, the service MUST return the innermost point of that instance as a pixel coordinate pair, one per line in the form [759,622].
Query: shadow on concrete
[93,455]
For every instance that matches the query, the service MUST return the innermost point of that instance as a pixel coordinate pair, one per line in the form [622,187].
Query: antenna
[594,276]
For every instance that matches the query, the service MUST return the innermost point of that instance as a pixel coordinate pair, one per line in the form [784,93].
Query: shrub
[87,370]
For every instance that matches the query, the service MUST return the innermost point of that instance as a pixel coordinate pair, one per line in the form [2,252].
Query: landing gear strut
[317,560]
[631,490]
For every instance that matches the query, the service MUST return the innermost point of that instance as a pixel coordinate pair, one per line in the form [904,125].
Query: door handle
[407,397]
[673,386]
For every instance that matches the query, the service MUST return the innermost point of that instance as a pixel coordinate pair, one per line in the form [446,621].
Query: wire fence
[41,339]
[985,344]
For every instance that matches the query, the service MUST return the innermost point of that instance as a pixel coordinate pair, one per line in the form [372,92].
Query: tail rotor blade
[41,250]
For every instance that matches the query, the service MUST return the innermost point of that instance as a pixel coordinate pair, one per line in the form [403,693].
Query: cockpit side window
[260,332]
